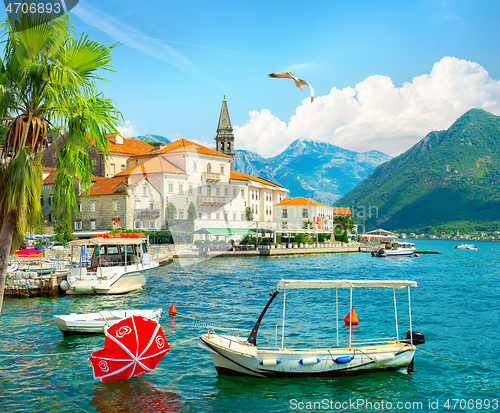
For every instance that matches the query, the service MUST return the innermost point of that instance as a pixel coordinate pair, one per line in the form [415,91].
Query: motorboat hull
[92,283]
[95,323]
[232,356]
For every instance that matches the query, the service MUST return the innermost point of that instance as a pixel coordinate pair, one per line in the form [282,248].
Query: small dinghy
[95,323]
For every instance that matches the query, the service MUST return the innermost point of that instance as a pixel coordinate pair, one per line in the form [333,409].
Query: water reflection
[137,395]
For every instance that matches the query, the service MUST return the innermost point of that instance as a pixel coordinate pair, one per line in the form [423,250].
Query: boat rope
[444,358]
[204,321]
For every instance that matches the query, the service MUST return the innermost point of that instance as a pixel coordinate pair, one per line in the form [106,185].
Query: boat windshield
[113,254]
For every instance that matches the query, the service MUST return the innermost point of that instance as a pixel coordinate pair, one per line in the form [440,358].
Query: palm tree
[48,85]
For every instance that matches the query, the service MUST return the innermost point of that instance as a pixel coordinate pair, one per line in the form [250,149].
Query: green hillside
[449,180]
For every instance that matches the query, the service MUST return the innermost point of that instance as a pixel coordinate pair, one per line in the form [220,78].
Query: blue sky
[179,59]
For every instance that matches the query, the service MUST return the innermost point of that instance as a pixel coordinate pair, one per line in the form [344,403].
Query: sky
[385,73]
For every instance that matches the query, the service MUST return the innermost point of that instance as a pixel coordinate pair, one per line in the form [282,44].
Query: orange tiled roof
[151,166]
[300,201]
[106,186]
[183,145]
[47,169]
[51,178]
[342,211]
[129,146]
[244,177]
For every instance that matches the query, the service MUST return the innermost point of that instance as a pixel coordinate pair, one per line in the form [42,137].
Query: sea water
[456,305]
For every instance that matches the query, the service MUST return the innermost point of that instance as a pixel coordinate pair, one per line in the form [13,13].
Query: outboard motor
[418,337]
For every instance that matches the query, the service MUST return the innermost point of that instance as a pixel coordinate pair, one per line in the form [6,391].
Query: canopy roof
[345,283]
[225,231]
[106,241]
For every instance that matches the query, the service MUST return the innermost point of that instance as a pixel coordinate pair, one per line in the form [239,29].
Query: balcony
[211,177]
[146,213]
[211,200]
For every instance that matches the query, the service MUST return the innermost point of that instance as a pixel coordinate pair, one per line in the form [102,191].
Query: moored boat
[233,355]
[95,323]
[117,265]
[403,249]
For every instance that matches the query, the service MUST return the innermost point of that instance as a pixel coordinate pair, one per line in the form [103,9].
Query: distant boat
[94,323]
[464,246]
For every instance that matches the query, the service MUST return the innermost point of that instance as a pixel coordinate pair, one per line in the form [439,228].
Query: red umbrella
[28,252]
[132,347]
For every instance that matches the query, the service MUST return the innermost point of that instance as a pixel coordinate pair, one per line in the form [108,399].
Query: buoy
[172,310]
[416,255]
[343,359]
[351,319]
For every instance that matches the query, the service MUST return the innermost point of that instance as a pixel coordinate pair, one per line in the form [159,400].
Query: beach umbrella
[28,252]
[132,347]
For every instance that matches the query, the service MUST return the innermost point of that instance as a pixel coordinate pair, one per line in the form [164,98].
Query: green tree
[192,211]
[170,211]
[308,225]
[343,223]
[48,84]
[63,231]
[249,214]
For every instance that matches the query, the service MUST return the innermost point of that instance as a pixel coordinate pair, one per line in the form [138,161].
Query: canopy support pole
[350,322]
[337,301]
[396,313]
[283,332]
[409,309]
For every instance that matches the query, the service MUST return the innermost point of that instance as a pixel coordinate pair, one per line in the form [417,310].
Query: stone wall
[28,284]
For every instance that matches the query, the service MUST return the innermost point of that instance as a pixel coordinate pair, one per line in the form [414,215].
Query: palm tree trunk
[6,237]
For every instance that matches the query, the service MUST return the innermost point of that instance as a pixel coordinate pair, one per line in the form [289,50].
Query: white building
[293,213]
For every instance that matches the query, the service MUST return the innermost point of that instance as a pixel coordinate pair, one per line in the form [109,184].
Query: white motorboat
[233,355]
[117,265]
[403,249]
[464,247]
[95,323]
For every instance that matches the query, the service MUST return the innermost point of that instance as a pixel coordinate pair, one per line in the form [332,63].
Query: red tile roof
[300,201]
[51,178]
[47,169]
[244,177]
[183,145]
[129,146]
[157,164]
[106,186]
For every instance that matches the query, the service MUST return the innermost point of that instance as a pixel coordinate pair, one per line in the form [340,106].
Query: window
[284,213]
[234,192]
[242,217]
[305,213]
[144,191]
[209,190]
[112,168]
[199,190]
[191,189]
[181,188]
[171,188]
[92,207]
[79,207]
[243,193]
[122,167]
[222,146]
[199,215]
[78,225]
[151,225]
[54,155]
[253,195]
[92,225]
[217,191]
[222,169]
[50,217]
[229,146]
[137,224]
[137,204]
[256,209]
[217,216]
[195,166]
[226,191]
[234,217]
[209,215]
[150,205]
[50,199]
[181,215]
[41,200]
[225,216]
[209,168]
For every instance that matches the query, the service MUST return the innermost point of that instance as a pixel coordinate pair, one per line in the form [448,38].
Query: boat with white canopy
[233,355]
[109,264]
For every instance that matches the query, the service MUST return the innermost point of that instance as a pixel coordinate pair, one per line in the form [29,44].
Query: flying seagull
[298,82]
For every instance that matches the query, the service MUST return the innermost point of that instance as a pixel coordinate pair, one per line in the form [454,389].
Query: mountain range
[152,138]
[448,181]
[312,169]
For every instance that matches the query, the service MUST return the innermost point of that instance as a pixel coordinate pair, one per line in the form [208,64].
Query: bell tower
[224,141]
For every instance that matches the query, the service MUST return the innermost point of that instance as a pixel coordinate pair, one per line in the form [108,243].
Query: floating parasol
[132,347]
[28,252]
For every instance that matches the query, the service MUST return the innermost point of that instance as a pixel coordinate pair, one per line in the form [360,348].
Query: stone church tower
[225,138]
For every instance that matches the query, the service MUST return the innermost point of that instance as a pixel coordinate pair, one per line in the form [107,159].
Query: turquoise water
[456,305]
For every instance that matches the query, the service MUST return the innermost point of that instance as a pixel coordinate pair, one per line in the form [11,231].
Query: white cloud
[127,130]
[377,115]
